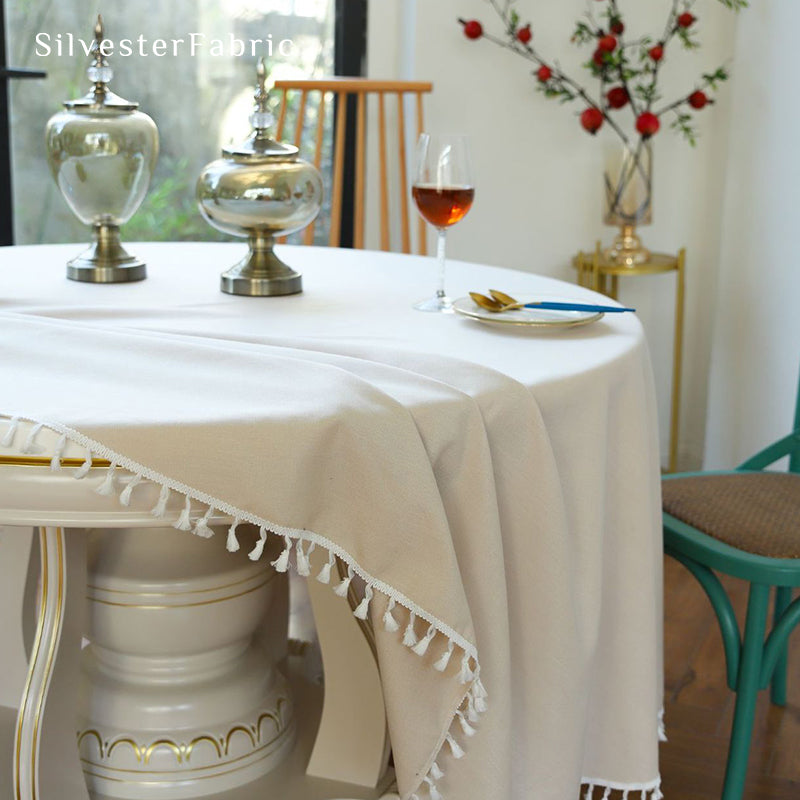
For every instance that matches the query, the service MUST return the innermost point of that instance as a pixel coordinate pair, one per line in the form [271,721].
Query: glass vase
[628,191]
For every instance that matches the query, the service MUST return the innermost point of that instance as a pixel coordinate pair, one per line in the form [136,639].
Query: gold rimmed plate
[527,317]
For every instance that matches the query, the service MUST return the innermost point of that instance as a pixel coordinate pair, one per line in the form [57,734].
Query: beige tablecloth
[495,492]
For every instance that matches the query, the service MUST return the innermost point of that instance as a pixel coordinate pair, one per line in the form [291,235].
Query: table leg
[356,752]
[45,760]
[677,357]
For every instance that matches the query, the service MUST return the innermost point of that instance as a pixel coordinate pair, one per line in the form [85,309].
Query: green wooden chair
[744,523]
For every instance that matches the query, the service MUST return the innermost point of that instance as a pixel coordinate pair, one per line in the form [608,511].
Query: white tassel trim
[454,748]
[281,563]
[465,675]
[83,469]
[389,622]
[465,726]
[434,792]
[421,647]
[409,637]
[257,551]
[657,794]
[160,508]
[472,714]
[201,529]
[125,495]
[589,792]
[436,772]
[301,559]
[341,588]
[480,694]
[444,659]
[30,445]
[662,731]
[183,523]
[363,607]
[55,461]
[325,573]
[11,432]
[607,793]
[106,488]
[232,544]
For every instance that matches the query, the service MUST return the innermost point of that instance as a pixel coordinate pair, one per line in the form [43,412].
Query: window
[198,91]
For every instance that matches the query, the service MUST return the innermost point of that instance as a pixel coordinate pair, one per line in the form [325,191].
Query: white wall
[538,174]
[756,341]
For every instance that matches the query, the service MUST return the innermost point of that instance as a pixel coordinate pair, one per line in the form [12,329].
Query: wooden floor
[699,707]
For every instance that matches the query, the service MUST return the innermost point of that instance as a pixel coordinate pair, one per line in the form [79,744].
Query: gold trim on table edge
[44,461]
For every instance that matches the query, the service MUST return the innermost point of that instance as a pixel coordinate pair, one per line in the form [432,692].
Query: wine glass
[443,191]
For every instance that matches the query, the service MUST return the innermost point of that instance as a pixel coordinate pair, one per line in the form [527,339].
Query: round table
[588,587]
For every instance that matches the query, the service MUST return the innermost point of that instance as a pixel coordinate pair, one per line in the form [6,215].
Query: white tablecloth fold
[494,554]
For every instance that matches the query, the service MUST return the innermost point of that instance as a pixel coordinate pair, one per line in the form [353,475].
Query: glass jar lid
[100,73]
[259,145]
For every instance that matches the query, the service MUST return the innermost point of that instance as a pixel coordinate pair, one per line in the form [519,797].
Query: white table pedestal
[180,696]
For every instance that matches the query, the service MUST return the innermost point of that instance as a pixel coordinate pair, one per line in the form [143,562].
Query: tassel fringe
[421,647]
[183,523]
[454,748]
[160,508]
[232,543]
[302,559]
[325,573]
[389,622]
[256,552]
[433,791]
[83,469]
[444,659]
[201,529]
[55,461]
[409,637]
[281,563]
[341,588]
[125,494]
[30,445]
[11,432]
[363,607]
[106,488]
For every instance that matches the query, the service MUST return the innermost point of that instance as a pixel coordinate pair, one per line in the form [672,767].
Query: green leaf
[583,33]
[682,124]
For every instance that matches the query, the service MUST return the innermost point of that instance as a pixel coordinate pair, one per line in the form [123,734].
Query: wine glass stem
[440,248]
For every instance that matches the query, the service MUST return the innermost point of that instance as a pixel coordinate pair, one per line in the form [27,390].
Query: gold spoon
[489,303]
[503,298]
[495,303]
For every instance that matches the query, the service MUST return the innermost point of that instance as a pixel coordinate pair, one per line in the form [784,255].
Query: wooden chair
[744,523]
[341,89]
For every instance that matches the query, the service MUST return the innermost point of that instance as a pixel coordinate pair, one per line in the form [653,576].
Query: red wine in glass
[443,192]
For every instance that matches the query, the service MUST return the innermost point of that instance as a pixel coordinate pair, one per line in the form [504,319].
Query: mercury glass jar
[260,189]
[102,152]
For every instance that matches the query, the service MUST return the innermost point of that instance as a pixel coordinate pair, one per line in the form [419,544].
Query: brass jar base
[627,248]
[261,273]
[106,260]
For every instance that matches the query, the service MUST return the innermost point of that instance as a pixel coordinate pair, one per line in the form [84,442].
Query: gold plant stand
[597,272]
